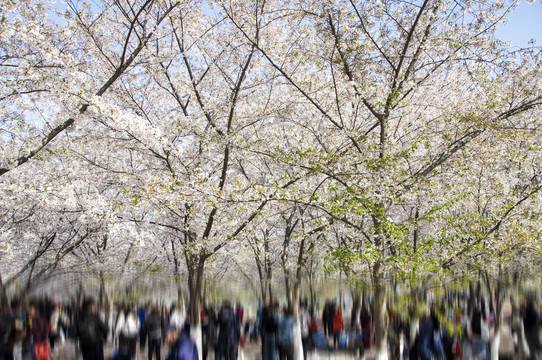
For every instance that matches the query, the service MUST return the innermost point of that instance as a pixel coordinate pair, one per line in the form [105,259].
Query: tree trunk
[263,285]
[195,285]
[80,295]
[289,291]
[105,300]
[310,273]
[271,298]
[268,272]
[3,295]
[104,295]
[380,323]
[26,291]
[495,342]
[472,297]
[261,266]
[356,308]
[414,316]
[180,300]
[312,294]
[298,344]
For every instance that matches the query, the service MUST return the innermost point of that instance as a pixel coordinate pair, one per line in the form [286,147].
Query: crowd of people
[458,328]
[33,331]
[451,330]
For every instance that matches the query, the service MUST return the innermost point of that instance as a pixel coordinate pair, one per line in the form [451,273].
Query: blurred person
[182,347]
[285,335]
[248,330]
[120,343]
[153,331]
[258,321]
[531,327]
[327,318]
[204,319]
[357,341]
[365,320]
[304,322]
[6,325]
[58,323]
[127,331]
[19,341]
[430,344]
[141,315]
[480,334]
[39,332]
[208,329]
[466,346]
[239,312]
[521,348]
[176,317]
[269,330]
[19,336]
[164,316]
[229,333]
[90,330]
[337,327]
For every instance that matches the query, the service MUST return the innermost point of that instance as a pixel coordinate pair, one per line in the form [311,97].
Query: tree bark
[414,315]
[270,291]
[472,297]
[3,295]
[80,294]
[195,282]
[380,323]
[356,307]
[311,285]
[298,344]
[105,301]
[495,342]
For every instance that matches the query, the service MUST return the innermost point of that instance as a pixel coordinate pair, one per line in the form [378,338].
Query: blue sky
[524,24]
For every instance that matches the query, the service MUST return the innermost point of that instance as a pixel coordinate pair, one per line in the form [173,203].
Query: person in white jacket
[177,318]
[127,330]
[59,320]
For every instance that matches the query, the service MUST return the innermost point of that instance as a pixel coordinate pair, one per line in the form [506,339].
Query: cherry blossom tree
[53,63]
[400,138]
[400,91]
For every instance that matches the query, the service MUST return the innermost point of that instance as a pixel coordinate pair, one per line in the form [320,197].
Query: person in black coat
[229,333]
[269,333]
[152,329]
[91,331]
[532,329]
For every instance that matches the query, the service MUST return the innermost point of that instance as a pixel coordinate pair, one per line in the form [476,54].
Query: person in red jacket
[39,330]
[337,326]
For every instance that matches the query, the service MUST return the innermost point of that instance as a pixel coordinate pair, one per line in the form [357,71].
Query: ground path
[252,351]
